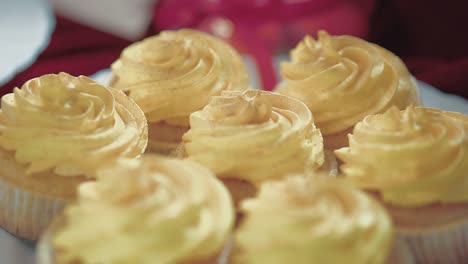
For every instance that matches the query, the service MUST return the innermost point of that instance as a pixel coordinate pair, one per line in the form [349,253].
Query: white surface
[25,29]
[15,251]
[435,98]
[125,18]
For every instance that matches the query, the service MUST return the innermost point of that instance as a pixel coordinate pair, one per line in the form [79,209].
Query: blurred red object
[429,36]
[75,49]
[263,27]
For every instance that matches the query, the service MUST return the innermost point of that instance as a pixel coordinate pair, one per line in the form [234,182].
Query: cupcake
[54,133]
[249,137]
[146,211]
[416,162]
[305,220]
[173,74]
[343,79]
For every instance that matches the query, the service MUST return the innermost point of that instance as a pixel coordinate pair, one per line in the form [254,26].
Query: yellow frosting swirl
[70,124]
[415,157]
[152,210]
[254,135]
[175,73]
[304,220]
[343,79]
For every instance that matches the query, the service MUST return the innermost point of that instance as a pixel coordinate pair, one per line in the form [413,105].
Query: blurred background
[83,37]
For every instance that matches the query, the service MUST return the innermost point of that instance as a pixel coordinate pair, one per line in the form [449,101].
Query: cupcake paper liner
[442,246]
[26,214]
[164,139]
[329,167]
[400,254]
[239,190]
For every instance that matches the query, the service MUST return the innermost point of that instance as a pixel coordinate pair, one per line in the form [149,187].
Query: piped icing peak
[315,49]
[239,108]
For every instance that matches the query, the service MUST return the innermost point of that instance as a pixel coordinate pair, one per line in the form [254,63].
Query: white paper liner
[25,214]
[330,166]
[226,252]
[44,250]
[443,246]
[400,254]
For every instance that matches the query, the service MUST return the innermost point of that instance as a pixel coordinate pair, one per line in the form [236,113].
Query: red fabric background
[431,38]
[73,48]
[428,35]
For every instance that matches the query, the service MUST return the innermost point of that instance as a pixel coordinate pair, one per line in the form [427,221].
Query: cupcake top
[254,135]
[305,220]
[414,157]
[174,73]
[343,79]
[70,125]
[146,211]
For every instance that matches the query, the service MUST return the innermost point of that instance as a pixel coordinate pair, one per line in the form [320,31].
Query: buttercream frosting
[70,124]
[319,220]
[254,135]
[343,79]
[146,211]
[174,73]
[413,157]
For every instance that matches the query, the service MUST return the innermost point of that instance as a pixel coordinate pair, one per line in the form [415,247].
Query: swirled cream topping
[343,79]
[254,135]
[304,220]
[70,124]
[152,210]
[414,157]
[175,73]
